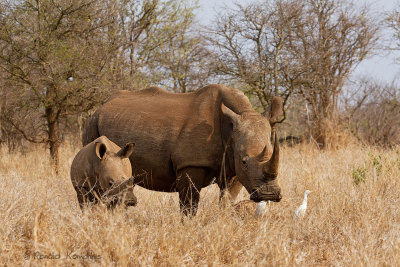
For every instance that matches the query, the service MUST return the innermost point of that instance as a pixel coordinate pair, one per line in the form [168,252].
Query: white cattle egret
[301,210]
[260,208]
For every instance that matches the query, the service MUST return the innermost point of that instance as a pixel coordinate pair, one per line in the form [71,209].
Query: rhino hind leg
[189,183]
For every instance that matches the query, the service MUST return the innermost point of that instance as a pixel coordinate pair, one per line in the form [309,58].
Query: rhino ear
[229,113]
[101,150]
[274,111]
[127,151]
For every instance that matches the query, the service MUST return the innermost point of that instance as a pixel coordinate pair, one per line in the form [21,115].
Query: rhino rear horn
[272,165]
[262,156]
[126,151]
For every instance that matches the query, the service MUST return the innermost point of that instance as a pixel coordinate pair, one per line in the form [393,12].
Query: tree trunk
[54,156]
[319,133]
[1,130]
[325,130]
[53,139]
[52,127]
[132,70]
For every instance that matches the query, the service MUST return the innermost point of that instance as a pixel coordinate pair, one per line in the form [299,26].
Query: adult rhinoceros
[182,140]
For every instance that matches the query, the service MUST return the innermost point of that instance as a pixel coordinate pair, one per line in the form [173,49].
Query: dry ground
[353,217]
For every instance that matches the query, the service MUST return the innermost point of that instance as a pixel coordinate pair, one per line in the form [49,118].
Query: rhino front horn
[272,165]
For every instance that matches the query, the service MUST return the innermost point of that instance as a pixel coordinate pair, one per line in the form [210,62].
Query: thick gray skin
[102,171]
[181,140]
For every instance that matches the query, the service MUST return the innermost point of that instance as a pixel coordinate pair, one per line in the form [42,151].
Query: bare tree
[180,62]
[250,44]
[133,24]
[333,38]
[54,55]
[306,47]
[373,112]
[393,24]
[155,43]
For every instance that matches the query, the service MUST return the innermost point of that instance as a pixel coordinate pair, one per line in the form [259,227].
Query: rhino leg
[229,192]
[234,188]
[80,198]
[85,196]
[189,183]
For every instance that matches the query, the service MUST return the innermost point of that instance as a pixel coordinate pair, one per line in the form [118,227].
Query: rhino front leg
[189,183]
[85,196]
[234,188]
[80,197]
[229,193]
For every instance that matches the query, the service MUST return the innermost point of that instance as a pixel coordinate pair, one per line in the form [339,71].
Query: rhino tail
[90,131]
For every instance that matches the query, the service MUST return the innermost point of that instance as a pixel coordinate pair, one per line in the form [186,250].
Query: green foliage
[359,175]
[54,60]
[62,59]
[376,162]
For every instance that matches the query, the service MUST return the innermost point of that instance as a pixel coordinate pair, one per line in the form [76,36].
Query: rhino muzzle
[130,199]
[127,200]
[122,194]
[269,191]
[258,196]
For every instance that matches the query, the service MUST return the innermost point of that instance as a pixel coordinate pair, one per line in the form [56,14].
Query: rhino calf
[101,171]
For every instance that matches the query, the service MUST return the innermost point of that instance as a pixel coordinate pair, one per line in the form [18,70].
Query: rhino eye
[110,183]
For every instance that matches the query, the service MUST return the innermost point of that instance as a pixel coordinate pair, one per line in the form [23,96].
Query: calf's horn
[120,187]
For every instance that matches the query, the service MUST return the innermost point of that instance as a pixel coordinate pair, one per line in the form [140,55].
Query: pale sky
[381,67]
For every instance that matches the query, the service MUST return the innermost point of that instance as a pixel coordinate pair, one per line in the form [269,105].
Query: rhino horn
[272,165]
[263,155]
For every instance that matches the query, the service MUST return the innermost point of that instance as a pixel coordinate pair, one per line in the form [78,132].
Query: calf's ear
[126,151]
[101,150]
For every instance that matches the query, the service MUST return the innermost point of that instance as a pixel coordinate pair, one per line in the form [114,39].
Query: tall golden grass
[353,217]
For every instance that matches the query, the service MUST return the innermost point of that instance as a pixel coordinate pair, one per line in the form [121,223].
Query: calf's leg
[85,196]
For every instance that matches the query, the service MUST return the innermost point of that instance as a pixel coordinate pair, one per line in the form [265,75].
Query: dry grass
[353,217]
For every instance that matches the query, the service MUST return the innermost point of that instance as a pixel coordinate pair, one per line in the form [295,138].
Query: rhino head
[114,175]
[256,161]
